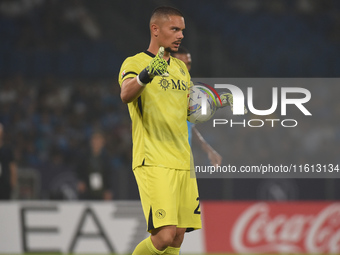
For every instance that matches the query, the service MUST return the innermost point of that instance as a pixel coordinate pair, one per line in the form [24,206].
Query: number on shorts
[197,210]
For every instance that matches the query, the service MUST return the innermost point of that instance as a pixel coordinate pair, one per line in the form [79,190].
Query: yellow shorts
[169,197]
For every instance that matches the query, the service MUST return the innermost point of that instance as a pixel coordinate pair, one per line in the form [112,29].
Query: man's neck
[153,48]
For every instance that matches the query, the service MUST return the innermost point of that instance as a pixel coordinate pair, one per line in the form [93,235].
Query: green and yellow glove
[157,66]
[227,99]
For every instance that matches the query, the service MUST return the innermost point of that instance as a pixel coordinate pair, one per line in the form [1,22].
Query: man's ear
[154,29]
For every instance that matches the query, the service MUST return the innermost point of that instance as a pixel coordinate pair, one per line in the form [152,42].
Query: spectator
[8,169]
[94,173]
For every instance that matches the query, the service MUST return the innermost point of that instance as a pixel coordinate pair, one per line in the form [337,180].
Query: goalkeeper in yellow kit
[155,86]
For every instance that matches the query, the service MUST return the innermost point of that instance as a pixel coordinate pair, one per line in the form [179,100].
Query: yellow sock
[146,247]
[171,251]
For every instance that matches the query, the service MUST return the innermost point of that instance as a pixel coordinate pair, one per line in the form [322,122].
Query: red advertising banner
[276,227]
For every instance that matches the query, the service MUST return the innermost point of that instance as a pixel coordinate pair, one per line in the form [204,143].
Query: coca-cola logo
[258,230]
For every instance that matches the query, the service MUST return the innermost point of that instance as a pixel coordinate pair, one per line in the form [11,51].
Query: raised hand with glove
[157,66]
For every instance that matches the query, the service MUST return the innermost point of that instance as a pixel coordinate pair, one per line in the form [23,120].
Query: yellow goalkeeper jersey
[159,127]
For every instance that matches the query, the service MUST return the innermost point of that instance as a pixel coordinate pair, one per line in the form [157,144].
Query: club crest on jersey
[182,71]
[164,83]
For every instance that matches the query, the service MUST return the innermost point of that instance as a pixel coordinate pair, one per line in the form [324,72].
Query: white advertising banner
[77,227]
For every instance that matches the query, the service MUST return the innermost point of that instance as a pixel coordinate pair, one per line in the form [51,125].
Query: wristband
[140,83]
[144,77]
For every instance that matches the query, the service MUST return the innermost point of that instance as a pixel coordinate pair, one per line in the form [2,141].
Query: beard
[168,49]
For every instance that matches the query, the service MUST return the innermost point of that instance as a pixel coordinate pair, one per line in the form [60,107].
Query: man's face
[97,142]
[170,33]
[186,58]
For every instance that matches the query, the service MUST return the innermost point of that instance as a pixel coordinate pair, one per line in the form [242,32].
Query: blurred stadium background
[59,64]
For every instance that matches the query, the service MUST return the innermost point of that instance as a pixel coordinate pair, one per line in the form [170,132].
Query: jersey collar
[153,55]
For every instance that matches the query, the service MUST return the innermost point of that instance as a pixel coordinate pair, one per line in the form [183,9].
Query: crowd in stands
[49,120]
[47,23]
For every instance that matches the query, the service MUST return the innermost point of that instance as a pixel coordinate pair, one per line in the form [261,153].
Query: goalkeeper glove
[157,66]
[227,99]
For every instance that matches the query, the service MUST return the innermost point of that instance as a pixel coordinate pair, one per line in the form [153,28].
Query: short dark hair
[166,11]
